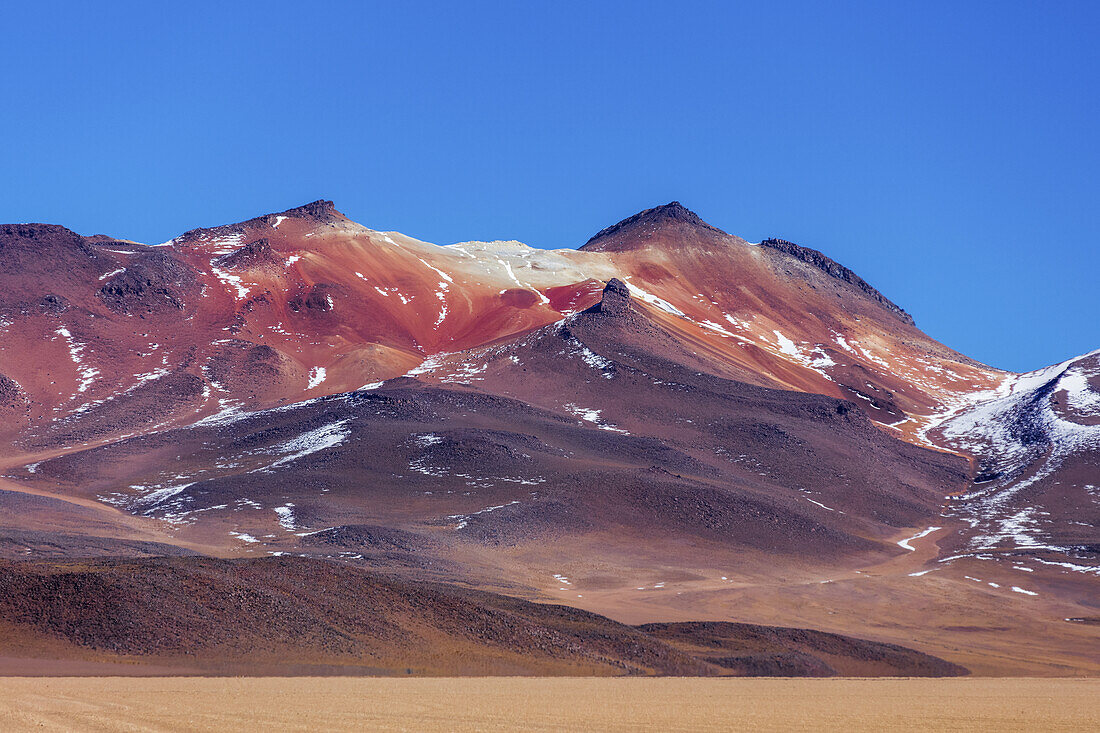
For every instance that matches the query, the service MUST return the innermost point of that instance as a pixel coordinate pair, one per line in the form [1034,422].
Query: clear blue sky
[947,152]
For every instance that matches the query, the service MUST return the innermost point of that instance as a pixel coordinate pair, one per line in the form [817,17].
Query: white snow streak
[308,443]
[923,533]
[87,374]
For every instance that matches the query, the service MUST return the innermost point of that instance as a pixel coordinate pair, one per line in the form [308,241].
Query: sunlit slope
[305,303]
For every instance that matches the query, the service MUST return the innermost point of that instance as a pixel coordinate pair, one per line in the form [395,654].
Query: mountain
[668,424]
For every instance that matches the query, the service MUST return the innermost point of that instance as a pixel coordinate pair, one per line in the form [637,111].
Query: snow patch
[285,515]
[233,281]
[592,415]
[316,376]
[786,345]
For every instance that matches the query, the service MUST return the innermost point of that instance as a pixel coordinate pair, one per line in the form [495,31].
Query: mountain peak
[42,248]
[633,230]
[321,210]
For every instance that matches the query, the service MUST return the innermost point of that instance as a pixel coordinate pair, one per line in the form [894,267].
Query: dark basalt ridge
[833,268]
[320,210]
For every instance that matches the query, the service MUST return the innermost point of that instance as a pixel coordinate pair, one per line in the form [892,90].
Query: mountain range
[299,443]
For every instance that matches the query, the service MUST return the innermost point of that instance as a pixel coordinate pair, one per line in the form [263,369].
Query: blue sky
[947,152]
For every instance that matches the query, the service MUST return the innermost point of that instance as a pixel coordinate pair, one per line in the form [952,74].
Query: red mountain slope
[667,423]
[304,303]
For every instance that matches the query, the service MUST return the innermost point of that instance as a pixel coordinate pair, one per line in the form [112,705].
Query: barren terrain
[669,424]
[540,704]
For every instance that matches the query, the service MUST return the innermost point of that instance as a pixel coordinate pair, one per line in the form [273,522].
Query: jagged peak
[834,269]
[321,210]
[645,223]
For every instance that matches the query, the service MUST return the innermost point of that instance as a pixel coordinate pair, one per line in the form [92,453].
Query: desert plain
[546,704]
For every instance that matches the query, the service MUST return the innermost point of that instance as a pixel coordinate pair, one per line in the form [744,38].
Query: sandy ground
[547,704]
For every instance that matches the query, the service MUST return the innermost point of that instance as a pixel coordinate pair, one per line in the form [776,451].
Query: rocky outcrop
[321,211]
[253,256]
[155,281]
[616,298]
[318,299]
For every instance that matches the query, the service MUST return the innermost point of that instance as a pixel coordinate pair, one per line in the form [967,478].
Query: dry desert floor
[546,704]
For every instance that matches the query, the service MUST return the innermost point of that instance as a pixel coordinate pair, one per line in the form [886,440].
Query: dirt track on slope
[541,704]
